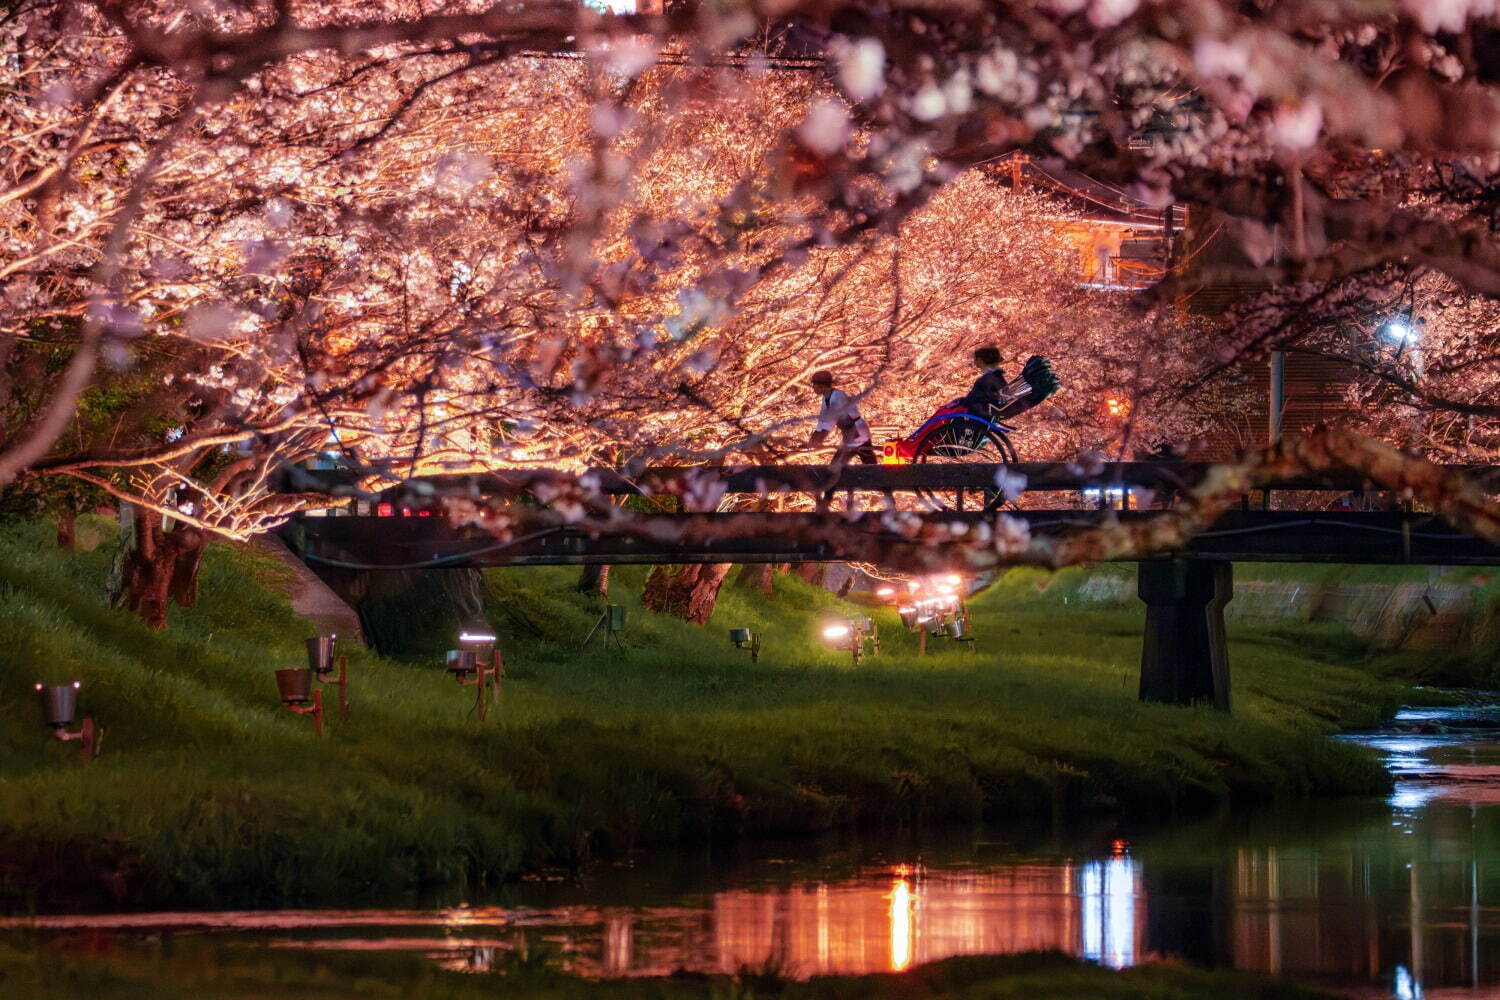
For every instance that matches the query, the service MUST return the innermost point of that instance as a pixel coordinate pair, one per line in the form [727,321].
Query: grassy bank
[200,973]
[209,791]
[1469,661]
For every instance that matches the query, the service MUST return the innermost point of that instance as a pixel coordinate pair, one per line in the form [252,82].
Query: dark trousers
[865,453]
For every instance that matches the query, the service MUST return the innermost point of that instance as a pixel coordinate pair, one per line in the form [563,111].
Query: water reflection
[902,905]
[1397,899]
[1111,909]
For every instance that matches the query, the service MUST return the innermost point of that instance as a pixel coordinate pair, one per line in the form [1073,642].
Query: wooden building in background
[1124,244]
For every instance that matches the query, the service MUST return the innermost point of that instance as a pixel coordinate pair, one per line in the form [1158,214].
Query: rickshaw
[956,433]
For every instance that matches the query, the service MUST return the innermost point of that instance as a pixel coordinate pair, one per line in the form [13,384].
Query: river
[1397,897]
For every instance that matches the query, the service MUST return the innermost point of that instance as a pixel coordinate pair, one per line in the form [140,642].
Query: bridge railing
[815,480]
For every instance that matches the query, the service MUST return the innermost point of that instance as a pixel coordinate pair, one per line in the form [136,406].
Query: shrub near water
[210,791]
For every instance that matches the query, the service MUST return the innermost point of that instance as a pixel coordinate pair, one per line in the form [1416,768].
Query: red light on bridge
[385,510]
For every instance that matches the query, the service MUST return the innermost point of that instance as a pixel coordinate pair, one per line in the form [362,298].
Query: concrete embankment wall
[1443,615]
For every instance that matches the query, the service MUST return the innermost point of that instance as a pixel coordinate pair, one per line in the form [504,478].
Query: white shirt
[840,412]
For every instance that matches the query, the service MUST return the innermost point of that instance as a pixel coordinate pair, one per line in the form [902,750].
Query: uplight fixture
[479,641]
[59,706]
[321,650]
[477,663]
[744,638]
[852,636]
[941,614]
[295,685]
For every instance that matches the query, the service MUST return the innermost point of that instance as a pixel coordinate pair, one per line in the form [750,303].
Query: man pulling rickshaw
[971,428]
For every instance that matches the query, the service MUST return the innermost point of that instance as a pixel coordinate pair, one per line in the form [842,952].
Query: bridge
[1184,656]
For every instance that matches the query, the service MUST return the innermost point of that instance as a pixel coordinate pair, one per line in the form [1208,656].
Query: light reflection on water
[1400,899]
[882,920]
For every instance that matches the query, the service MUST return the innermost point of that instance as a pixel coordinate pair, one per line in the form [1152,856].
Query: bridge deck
[1239,536]
[1038,477]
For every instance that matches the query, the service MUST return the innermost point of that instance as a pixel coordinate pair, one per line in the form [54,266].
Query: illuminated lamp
[1399,330]
[852,636]
[321,651]
[477,639]
[477,664]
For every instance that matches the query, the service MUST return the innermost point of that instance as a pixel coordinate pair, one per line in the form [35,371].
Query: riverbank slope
[209,791]
[192,972]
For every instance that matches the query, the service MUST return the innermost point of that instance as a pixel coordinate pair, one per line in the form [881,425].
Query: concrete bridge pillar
[1185,655]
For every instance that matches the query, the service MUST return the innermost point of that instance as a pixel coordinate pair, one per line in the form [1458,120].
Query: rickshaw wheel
[968,441]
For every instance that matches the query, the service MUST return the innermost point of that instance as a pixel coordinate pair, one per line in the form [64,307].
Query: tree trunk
[811,572]
[759,576]
[594,580]
[154,566]
[67,529]
[411,613]
[685,591]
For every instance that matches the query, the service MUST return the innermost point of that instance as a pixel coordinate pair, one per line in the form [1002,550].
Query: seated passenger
[990,389]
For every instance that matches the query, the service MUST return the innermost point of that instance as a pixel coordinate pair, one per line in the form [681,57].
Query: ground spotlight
[744,638]
[478,640]
[59,706]
[942,614]
[477,663]
[853,635]
[321,650]
[296,687]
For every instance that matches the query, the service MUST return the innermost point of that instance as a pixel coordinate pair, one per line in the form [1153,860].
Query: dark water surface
[1393,898]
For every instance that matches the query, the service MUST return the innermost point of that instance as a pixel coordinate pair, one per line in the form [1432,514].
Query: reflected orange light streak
[902,903]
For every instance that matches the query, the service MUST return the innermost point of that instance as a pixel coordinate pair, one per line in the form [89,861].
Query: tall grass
[209,791]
